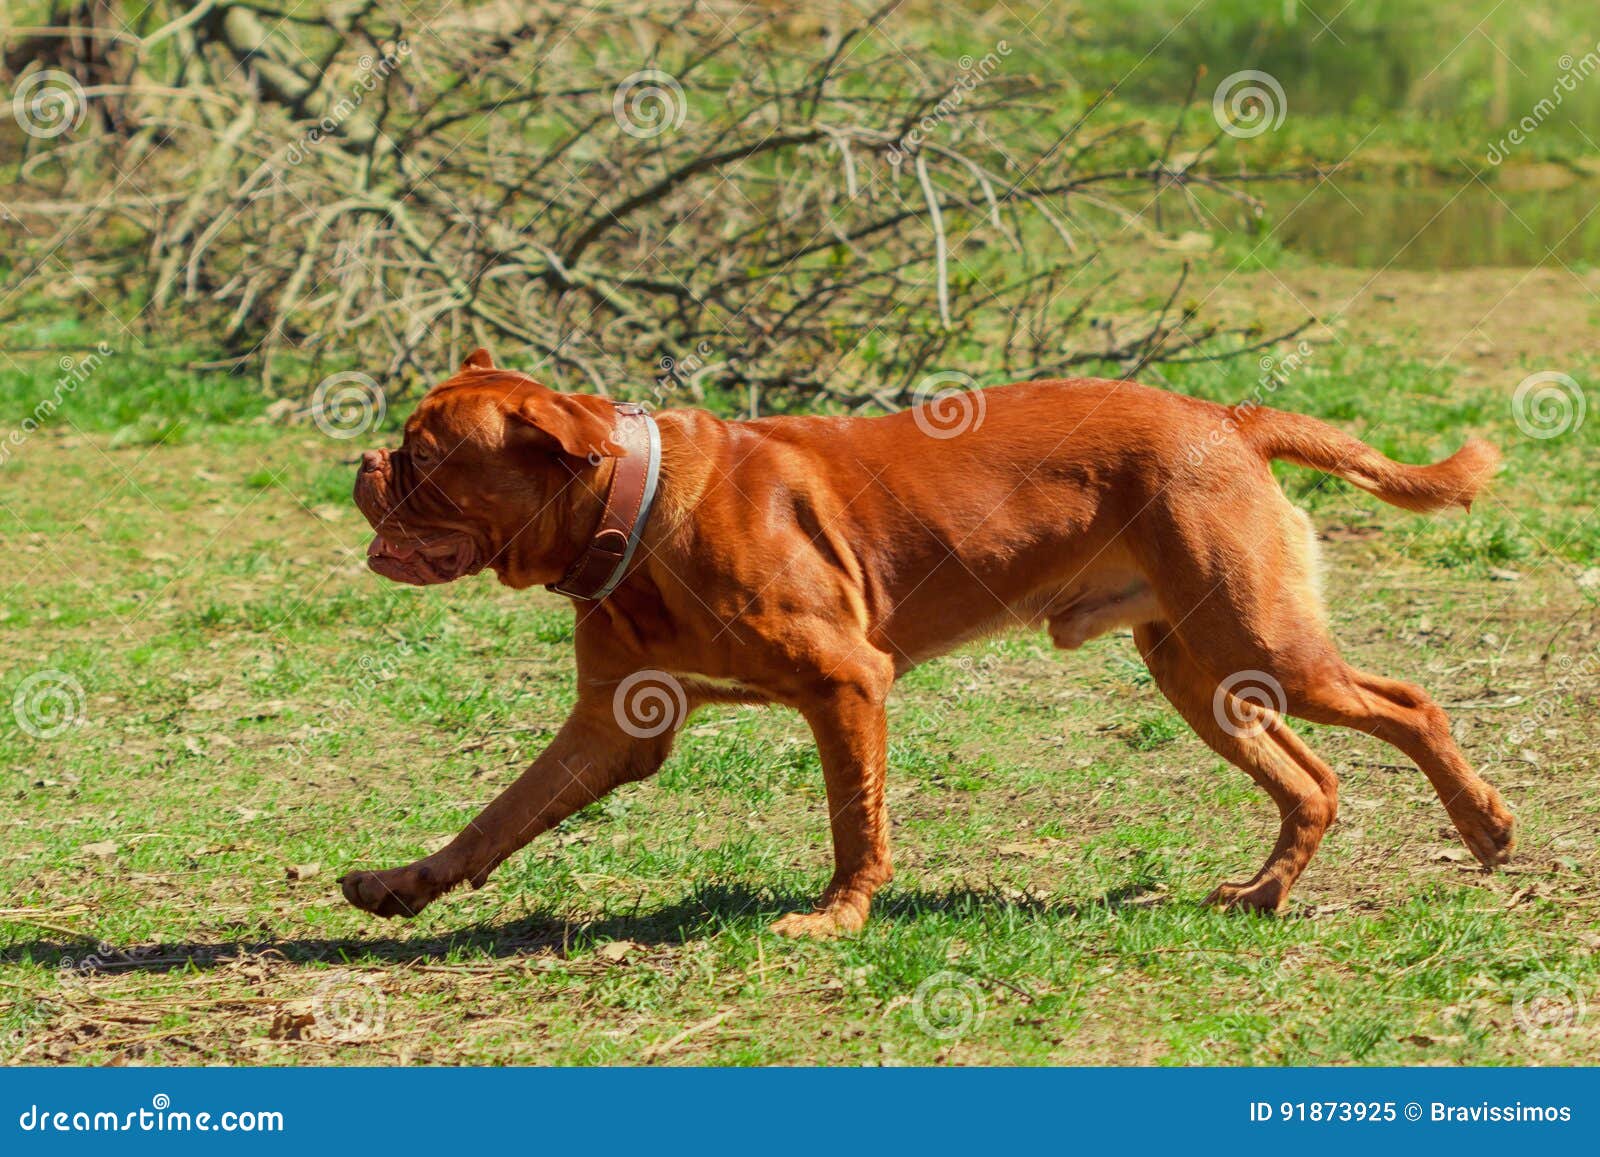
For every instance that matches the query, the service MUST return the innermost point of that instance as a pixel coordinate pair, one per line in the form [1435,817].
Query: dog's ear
[478,359]
[575,424]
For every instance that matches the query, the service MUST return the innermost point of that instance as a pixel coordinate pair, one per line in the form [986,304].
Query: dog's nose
[371,460]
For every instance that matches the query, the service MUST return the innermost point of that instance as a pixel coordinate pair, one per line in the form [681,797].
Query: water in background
[1373,225]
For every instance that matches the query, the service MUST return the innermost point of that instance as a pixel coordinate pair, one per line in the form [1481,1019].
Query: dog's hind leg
[1311,681]
[1260,625]
[1254,738]
[1406,717]
[1241,594]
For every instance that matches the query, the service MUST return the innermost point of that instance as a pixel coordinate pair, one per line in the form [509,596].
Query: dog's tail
[1307,442]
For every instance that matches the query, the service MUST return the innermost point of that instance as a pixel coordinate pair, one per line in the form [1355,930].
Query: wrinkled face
[480,479]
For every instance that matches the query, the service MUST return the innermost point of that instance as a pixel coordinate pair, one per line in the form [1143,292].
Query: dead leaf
[1448,855]
[103,849]
[292,1021]
[617,950]
[1500,574]
[303,871]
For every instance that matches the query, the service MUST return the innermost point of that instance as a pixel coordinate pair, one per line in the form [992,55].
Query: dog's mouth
[425,563]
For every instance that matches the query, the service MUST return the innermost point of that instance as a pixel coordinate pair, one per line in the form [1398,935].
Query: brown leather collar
[629,496]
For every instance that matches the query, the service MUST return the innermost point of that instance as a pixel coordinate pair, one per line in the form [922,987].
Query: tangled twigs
[602,191]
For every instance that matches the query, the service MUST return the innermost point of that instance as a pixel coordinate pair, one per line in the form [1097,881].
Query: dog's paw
[398,892]
[1265,898]
[828,924]
[1489,835]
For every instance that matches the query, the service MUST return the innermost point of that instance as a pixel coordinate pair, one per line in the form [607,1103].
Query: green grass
[259,714]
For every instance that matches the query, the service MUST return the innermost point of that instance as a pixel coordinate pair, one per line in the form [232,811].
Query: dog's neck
[625,487]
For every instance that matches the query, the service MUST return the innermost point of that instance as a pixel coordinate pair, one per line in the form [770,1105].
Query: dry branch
[607,193]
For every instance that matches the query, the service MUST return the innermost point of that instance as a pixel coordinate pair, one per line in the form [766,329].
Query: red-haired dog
[809,561]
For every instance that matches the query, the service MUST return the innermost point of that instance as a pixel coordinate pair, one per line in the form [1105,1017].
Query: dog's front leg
[589,756]
[852,737]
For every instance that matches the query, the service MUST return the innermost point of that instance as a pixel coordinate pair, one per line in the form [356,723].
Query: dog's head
[485,476]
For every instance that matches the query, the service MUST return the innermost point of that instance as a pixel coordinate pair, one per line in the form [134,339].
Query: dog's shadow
[697,917]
